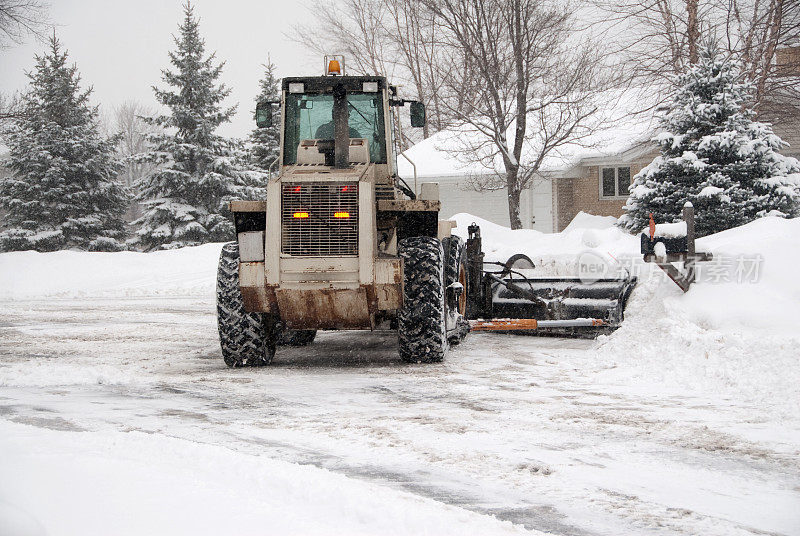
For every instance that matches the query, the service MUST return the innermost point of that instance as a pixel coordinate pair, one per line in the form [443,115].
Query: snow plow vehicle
[342,243]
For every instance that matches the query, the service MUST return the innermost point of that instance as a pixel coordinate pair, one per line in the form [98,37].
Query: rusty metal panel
[319,264]
[309,269]
[253,286]
[272,242]
[408,205]
[389,296]
[256,299]
[367,240]
[388,271]
[324,308]
[248,206]
[251,274]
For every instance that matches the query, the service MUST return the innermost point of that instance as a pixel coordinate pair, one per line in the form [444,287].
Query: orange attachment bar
[504,325]
[513,324]
[300,215]
[341,214]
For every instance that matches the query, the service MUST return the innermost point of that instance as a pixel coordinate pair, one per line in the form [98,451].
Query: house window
[615,181]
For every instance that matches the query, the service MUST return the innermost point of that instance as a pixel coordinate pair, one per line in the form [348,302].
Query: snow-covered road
[118,416]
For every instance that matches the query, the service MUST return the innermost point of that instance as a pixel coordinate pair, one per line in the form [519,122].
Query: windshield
[310,116]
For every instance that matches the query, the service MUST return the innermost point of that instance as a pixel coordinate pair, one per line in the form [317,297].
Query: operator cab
[324,116]
[336,120]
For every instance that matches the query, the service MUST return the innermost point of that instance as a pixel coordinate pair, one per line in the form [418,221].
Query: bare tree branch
[394,38]
[128,122]
[658,38]
[10,108]
[533,81]
[21,18]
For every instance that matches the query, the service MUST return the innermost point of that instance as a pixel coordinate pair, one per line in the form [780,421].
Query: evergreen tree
[265,142]
[62,191]
[186,198]
[714,155]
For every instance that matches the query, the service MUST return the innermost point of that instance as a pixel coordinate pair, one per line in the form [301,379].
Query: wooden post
[688,217]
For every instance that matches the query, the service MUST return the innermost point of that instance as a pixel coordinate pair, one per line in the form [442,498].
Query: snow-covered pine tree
[63,190]
[715,155]
[186,198]
[265,142]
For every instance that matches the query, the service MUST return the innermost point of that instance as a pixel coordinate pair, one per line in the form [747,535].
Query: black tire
[297,337]
[421,320]
[455,271]
[247,339]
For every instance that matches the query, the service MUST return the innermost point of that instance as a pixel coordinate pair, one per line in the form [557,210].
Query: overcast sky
[120,47]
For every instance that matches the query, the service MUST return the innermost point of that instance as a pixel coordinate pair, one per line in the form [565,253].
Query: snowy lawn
[118,416]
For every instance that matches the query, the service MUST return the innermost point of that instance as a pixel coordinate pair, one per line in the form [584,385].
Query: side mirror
[417,114]
[264,114]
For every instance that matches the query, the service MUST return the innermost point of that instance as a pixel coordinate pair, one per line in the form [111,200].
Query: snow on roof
[446,152]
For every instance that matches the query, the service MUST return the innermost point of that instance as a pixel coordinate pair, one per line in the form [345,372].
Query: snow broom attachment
[505,299]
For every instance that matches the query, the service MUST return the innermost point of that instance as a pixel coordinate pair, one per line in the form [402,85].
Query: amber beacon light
[300,215]
[334,65]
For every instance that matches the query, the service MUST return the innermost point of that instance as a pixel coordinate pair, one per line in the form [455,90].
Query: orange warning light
[300,215]
[341,214]
[334,68]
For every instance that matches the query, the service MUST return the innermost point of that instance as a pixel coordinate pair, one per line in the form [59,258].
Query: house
[591,176]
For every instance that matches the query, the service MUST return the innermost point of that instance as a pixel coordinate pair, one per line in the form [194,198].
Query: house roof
[445,153]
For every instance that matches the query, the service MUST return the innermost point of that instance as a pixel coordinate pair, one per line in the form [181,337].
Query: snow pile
[584,220]
[735,333]
[151,484]
[183,272]
[554,253]
[670,230]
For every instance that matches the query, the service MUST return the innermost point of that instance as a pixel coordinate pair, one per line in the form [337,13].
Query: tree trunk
[692,30]
[512,185]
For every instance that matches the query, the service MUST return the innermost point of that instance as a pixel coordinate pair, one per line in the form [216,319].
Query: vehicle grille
[319,219]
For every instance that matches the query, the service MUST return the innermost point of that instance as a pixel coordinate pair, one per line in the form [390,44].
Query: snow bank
[138,483]
[584,220]
[182,272]
[736,333]
[554,253]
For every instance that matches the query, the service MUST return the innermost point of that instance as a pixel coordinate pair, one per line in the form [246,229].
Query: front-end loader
[341,242]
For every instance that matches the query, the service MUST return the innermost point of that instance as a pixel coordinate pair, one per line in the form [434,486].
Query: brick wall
[562,199]
[583,194]
[788,60]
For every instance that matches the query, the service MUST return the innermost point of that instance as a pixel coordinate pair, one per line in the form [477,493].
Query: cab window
[310,116]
